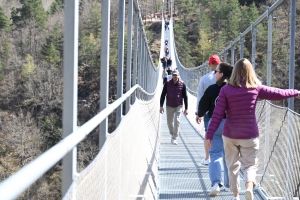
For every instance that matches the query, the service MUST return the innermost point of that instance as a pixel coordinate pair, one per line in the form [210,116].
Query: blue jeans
[217,158]
[206,120]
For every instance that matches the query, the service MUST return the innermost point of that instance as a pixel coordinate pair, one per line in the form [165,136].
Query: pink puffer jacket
[239,104]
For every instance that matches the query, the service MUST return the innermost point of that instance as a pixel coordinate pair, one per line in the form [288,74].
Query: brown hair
[226,69]
[243,69]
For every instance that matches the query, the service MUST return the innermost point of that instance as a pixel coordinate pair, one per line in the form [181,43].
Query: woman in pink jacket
[240,133]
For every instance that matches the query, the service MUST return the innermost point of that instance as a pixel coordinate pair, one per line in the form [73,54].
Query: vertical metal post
[147,70]
[134,76]
[171,9]
[241,46]
[104,68]
[268,107]
[129,52]
[146,64]
[225,56]
[292,50]
[70,62]
[140,57]
[143,61]
[221,56]
[120,58]
[163,10]
[269,53]
[290,140]
[174,7]
[253,53]
[232,53]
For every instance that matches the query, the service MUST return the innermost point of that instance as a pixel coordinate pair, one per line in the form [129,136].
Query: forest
[31,53]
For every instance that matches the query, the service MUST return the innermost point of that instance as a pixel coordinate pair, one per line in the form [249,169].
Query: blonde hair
[243,69]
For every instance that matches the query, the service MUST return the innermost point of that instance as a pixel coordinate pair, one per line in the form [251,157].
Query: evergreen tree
[234,14]
[249,2]
[52,55]
[56,6]
[4,53]
[184,49]
[4,20]
[204,22]
[89,51]
[1,71]
[94,21]
[250,14]
[52,50]
[203,47]
[30,10]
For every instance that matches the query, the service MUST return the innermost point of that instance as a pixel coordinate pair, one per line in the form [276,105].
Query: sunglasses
[216,71]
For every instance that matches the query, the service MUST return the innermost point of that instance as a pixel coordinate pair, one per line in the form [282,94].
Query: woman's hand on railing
[298,97]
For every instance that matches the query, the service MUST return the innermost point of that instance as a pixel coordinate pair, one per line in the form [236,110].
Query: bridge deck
[181,175]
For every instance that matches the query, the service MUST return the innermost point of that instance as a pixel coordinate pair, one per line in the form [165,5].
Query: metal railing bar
[12,187]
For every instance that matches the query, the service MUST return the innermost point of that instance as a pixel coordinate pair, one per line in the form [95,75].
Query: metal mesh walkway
[181,175]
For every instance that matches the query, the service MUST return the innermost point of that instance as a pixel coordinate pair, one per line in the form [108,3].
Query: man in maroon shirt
[175,90]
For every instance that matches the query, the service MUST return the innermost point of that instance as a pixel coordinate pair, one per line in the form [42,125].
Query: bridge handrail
[35,169]
[283,184]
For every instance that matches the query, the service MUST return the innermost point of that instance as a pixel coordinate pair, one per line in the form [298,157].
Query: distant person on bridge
[166,42]
[175,90]
[237,100]
[216,152]
[167,51]
[165,76]
[163,61]
[169,62]
[167,24]
[205,81]
[169,71]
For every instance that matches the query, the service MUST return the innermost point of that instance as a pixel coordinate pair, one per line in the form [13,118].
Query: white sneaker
[226,189]
[215,190]
[172,141]
[249,194]
[205,162]
[175,142]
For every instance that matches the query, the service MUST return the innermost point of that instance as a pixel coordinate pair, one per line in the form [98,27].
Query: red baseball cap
[214,59]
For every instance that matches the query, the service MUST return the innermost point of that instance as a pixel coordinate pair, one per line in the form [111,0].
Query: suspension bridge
[137,160]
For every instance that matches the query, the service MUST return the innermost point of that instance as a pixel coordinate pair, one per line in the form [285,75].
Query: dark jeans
[165,80]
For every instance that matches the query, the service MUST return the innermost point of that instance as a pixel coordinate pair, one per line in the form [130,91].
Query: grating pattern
[181,175]
[127,165]
[278,170]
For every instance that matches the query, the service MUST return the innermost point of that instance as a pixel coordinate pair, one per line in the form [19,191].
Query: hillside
[31,54]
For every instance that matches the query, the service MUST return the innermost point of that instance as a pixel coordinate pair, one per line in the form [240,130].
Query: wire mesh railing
[269,43]
[127,165]
[130,153]
[278,168]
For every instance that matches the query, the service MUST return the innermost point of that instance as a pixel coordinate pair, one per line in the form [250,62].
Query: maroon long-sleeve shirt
[239,104]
